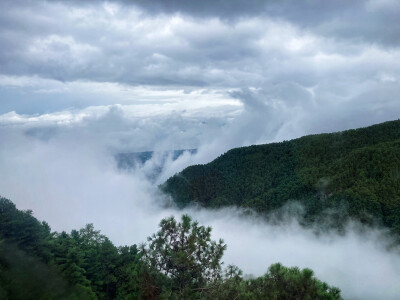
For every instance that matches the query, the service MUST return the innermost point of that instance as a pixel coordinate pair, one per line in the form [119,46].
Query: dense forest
[180,261]
[351,173]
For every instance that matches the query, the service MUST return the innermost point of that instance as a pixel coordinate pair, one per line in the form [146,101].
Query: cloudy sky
[83,80]
[320,65]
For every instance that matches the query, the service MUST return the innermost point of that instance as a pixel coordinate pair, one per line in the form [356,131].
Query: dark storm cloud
[299,55]
[374,21]
[227,43]
[67,42]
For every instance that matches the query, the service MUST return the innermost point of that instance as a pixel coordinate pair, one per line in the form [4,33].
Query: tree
[184,253]
[179,262]
[291,283]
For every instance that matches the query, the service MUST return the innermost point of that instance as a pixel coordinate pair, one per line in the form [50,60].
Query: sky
[182,74]
[332,64]
[81,81]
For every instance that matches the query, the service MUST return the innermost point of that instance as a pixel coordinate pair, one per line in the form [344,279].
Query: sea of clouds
[62,166]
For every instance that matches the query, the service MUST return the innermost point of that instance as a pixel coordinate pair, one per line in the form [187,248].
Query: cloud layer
[69,181]
[62,54]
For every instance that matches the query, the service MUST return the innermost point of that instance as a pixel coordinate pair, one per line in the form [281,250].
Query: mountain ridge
[358,169]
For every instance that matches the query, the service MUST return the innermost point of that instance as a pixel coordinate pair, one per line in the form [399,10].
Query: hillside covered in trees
[180,261]
[354,173]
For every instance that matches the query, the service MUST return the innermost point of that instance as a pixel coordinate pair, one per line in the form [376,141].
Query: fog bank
[70,181]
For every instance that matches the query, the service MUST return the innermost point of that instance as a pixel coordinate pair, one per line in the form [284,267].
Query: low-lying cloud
[357,261]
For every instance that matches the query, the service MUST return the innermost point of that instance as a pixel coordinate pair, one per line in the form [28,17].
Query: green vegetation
[185,253]
[354,172]
[179,262]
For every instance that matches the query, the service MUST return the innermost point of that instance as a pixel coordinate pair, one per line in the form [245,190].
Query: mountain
[133,159]
[151,162]
[353,173]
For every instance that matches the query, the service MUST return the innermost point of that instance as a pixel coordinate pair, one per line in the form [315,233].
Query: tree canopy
[180,261]
[184,252]
[354,172]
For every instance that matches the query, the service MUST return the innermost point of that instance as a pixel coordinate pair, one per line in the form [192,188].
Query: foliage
[290,283]
[278,283]
[358,170]
[81,265]
[23,276]
[180,262]
[185,253]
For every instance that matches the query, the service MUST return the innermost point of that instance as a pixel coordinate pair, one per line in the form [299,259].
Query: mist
[66,173]
[357,261]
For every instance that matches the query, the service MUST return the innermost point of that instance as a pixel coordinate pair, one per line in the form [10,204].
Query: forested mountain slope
[354,171]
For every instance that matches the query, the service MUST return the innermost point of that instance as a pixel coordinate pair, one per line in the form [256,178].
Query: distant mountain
[132,160]
[354,173]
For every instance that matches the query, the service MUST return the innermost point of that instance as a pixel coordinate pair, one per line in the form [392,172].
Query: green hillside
[354,171]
